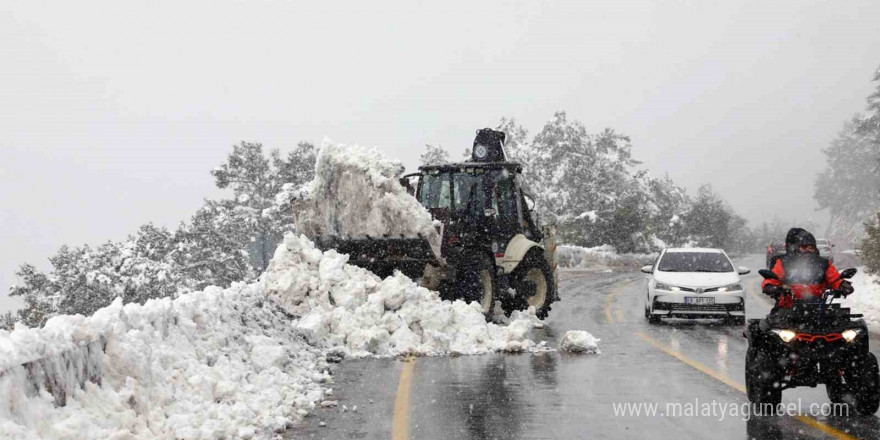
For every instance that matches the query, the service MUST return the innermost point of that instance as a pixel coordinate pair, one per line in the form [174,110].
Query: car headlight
[785,335]
[850,334]
[660,286]
[731,287]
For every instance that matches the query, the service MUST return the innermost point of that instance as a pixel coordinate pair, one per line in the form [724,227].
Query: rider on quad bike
[807,339]
[806,273]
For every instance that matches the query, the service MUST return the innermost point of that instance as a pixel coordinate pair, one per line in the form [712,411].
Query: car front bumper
[673,304]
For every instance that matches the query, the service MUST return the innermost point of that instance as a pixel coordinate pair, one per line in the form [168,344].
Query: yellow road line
[809,421]
[698,366]
[609,299]
[400,417]
[824,428]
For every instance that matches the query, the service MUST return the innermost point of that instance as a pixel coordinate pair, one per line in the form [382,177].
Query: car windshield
[694,262]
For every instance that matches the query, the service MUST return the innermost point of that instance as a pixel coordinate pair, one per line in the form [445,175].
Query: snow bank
[579,341]
[212,364]
[577,257]
[240,362]
[348,309]
[866,298]
[356,192]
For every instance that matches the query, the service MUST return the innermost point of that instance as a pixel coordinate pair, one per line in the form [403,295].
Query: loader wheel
[535,285]
[477,283]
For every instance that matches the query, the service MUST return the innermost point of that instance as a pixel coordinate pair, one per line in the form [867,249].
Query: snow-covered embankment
[236,363]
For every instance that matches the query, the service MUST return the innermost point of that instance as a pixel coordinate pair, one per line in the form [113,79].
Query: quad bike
[809,344]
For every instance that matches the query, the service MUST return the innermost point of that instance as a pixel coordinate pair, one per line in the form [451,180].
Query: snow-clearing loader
[492,248]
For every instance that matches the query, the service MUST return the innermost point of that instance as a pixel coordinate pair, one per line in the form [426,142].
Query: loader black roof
[512,166]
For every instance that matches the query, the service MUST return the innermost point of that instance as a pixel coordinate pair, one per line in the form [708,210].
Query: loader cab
[482,200]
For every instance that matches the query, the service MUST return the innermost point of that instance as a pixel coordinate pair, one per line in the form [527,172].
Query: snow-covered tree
[870,245]
[582,179]
[210,250]
[667,204]
[7,321]
[434,155]
[83,279]
[255,180]
[849,186]
[710,222]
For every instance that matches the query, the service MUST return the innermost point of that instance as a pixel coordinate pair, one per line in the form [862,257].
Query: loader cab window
[435,191]
[504,200]
[469,193]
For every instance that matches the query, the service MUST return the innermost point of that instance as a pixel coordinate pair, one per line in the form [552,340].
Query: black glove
[772,291]
[845,288]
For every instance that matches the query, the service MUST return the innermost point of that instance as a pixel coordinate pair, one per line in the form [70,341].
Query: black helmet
[797,237]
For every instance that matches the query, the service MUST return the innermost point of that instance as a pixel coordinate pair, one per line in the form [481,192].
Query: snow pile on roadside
[356,192]
[348,309]
[577,257]
[866,298]
[211,364]
[579,341]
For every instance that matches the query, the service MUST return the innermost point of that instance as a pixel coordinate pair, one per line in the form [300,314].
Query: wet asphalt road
[677,364]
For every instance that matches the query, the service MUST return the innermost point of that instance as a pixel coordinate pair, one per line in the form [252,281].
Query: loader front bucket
[382,255]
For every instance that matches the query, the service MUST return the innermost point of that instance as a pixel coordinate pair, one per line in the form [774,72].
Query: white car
[824,246]
[695,283]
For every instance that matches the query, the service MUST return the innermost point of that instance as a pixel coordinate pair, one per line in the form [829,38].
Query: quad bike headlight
[785,335]
[661,286]
[850,334]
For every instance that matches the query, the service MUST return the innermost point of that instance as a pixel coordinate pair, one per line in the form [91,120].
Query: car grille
[697,308]
[680,307]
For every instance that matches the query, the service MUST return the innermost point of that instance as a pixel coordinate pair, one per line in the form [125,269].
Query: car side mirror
[648,269]
[848,273]
[768,275]
[743,270]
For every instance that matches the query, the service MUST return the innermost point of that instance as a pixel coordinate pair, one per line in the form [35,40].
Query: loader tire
[476,283]
[535,286]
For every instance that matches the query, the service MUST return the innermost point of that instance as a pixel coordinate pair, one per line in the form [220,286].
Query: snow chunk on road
[349,309]
[356,192]
[579,341]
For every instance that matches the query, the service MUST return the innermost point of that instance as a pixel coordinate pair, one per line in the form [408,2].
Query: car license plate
[699,301]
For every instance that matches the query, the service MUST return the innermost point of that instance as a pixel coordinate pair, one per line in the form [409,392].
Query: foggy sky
[112,113]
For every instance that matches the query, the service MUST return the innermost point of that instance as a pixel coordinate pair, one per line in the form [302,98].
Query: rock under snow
[579,341]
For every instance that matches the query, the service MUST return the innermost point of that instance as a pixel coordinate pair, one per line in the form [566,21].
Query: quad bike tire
[862,393]
[867,393]
[760,379]
[534,286]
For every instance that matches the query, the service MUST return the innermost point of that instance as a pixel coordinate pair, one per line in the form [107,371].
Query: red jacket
[807,275]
